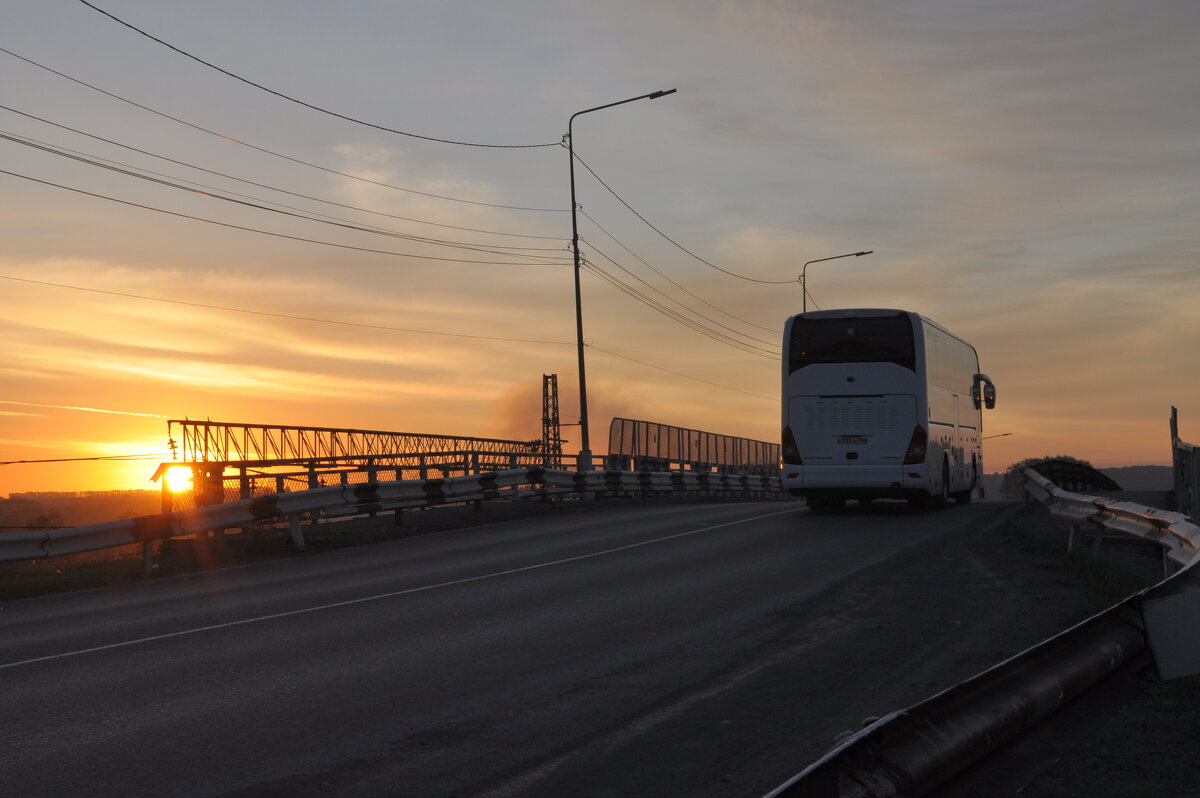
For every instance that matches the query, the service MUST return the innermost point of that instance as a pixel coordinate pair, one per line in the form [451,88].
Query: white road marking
[381,596]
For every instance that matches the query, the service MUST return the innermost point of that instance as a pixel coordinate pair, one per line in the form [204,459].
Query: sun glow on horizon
[178,479]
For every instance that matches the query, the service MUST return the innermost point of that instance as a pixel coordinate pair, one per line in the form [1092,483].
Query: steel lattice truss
[268,445]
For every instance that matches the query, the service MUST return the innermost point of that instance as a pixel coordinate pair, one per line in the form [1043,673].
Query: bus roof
[863,313]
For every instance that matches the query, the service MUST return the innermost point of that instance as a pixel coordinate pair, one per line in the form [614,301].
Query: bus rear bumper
[857,482]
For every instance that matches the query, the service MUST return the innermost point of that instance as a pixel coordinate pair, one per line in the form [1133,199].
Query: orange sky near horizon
[1027,176]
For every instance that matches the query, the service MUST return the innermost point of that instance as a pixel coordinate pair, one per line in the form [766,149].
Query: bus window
[887,339]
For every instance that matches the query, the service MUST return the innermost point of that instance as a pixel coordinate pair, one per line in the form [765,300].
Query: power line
[679,246]
[689,310]
[112,458]
[266,151]
[307,104]
[674,315]
[264,185]
[672,282]
[376,327]
[211,193]
[284,315]
[680,374]
[268,232]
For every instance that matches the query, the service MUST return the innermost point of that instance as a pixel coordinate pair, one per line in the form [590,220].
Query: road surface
[698,649]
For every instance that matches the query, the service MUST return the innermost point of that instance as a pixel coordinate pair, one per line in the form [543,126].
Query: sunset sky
[1027,174]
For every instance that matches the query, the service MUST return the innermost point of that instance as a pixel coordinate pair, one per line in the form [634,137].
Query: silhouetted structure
[551,428]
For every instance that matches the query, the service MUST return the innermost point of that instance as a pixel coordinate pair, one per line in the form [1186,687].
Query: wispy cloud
[78,408]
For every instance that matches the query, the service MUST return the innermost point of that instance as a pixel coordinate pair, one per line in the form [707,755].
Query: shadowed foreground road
[640,649]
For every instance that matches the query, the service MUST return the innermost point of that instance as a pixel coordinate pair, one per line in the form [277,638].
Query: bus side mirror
[983,392]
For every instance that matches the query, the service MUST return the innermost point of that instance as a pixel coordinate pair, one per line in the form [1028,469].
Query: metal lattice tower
[551,429]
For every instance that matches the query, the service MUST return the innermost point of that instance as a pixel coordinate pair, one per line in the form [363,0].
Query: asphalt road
[635,650]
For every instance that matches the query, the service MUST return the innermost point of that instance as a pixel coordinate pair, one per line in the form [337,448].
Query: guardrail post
[148,562]
[297,531]
[1096,541]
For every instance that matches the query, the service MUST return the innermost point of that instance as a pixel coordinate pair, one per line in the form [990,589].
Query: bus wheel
[818,504]
[964,496]
[943,496]
[837,505]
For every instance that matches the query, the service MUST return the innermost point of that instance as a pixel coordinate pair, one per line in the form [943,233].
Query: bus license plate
[852,440]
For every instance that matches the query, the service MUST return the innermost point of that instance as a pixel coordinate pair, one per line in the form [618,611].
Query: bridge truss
[261,445]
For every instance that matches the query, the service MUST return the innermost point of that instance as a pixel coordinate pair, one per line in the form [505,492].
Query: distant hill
[1146,477]
[1132,478]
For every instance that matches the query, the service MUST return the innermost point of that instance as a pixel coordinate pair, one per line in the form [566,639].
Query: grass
[27,578]
[1125,566]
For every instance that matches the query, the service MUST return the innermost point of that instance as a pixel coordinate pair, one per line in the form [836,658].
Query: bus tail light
[791,452]
[916,446]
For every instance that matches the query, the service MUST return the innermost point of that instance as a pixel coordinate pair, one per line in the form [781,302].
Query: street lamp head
[804,271]
[658,94]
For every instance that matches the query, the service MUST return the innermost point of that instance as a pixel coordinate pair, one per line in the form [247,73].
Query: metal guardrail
[367,498]
[1177,536]
[911,752]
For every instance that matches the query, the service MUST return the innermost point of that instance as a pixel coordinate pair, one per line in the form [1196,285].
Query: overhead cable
[680,304]
[112,458]
[672,282]
[679,246]
[269,187]
[266,151]
[610,353]
[715,335]
[268,232]
[211,193]
[375,327]
[310,105]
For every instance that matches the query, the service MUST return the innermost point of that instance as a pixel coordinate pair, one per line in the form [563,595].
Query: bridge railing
[218,483]
[649,445]
[372,497]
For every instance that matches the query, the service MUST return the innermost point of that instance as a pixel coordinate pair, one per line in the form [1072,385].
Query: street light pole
[804,271]
[585,451]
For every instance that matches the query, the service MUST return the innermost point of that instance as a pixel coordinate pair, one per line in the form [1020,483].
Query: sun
[178,479]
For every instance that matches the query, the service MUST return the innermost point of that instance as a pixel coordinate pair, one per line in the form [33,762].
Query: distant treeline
[50,509]
[53,495]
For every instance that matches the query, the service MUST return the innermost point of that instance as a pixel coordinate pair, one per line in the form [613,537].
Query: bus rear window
[879,339]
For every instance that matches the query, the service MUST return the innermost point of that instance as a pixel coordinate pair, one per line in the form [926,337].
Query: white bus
[880,404]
